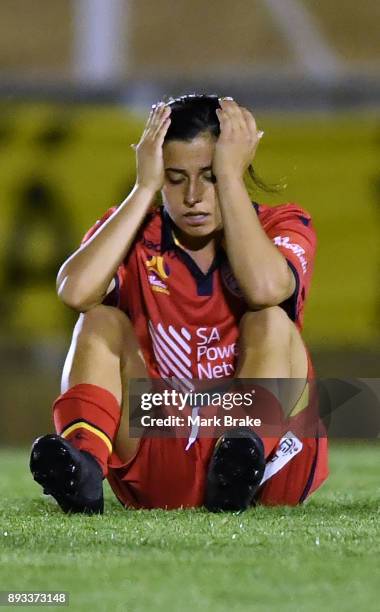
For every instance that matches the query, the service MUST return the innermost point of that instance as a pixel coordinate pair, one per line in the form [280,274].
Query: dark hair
[192,115]
[195,114]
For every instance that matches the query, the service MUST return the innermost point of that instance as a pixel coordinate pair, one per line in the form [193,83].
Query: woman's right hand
[149,153]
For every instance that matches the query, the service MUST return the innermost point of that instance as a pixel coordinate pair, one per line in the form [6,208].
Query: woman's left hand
[238,140]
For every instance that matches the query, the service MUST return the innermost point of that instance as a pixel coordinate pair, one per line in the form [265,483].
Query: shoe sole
[53,452]
[235,472]
[57,467]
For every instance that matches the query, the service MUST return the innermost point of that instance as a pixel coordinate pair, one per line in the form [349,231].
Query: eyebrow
[183,171]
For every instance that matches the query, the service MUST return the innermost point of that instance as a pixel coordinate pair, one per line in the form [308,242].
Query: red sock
[88,416]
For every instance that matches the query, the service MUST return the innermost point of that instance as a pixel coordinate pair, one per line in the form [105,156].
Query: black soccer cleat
[235,471]
[73,477]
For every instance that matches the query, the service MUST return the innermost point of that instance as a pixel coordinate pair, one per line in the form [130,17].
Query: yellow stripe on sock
[94,430]
[302,403]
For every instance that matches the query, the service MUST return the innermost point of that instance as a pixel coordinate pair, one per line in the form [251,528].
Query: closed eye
[210,176]
[175,181]
[175,178]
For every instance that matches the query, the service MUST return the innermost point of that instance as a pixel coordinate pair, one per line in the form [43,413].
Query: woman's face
[189,193]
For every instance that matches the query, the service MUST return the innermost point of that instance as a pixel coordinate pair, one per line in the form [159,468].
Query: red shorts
[162,474]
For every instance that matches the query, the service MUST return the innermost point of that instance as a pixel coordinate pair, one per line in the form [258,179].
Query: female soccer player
[208,285]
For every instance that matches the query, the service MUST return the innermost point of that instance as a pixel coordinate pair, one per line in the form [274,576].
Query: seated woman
[157,287]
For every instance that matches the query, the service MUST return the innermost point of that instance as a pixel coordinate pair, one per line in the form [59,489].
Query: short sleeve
[116,291]
[294,235]
[98,224]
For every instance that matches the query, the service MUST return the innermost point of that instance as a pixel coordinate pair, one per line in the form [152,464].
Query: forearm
[260,269]
[83,280]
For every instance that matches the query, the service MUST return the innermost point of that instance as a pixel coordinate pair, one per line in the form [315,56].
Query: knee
[270,324]
[105,322]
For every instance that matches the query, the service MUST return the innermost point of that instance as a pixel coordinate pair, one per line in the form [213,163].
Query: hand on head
[149,154]
[235,147]
[238,140]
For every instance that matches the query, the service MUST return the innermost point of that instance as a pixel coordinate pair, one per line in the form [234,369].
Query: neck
[208,243]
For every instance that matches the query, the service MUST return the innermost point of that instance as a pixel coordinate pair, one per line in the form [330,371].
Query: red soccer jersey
[187,321]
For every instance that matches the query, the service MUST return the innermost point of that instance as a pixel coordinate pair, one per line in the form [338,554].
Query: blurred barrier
[61,167]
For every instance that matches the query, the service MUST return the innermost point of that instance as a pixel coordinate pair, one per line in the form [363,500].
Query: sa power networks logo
[181,355]
[172,350]
[284,241]
[158,272]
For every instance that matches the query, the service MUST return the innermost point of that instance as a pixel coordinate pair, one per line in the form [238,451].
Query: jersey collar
[168,240]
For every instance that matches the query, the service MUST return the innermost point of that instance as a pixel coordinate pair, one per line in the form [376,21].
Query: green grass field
[324,554]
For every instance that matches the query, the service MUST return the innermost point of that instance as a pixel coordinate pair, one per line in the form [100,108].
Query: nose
[193,193]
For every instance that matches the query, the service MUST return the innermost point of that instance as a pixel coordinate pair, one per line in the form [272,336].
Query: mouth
[196,218]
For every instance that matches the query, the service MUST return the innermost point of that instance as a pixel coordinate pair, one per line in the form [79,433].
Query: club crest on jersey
[158,272]
[229,280]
